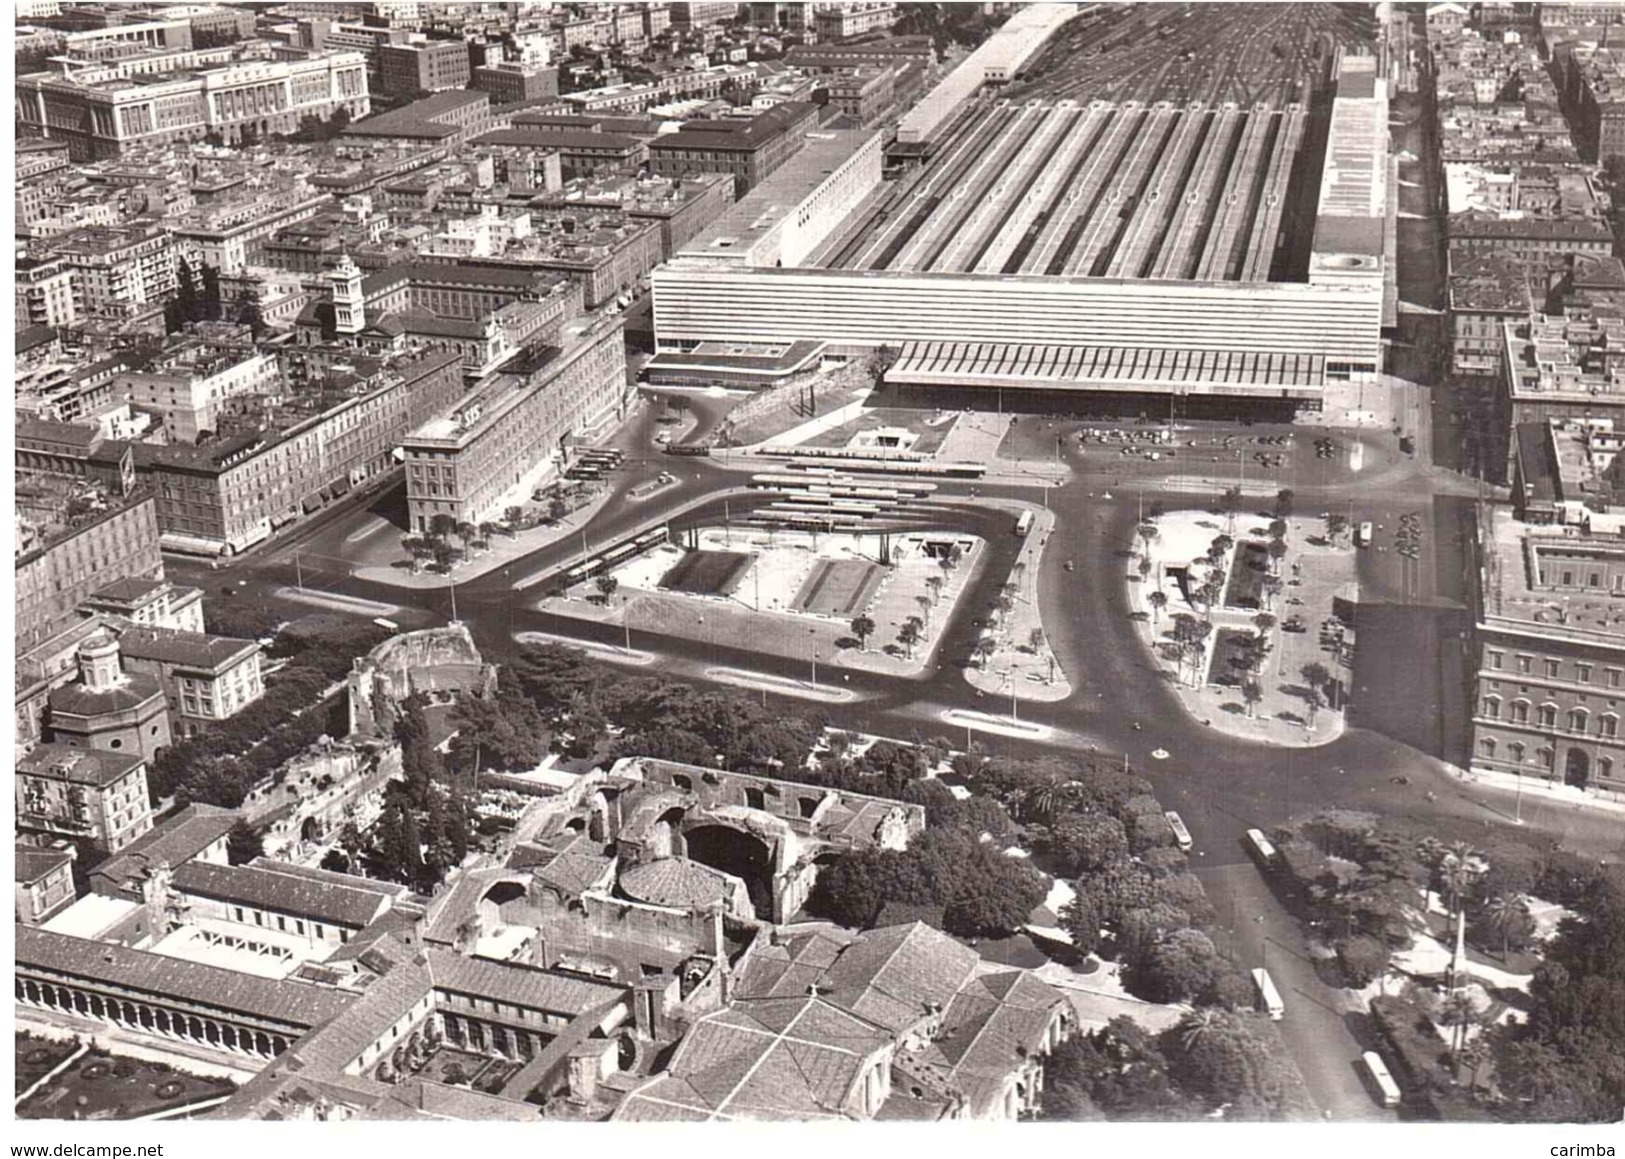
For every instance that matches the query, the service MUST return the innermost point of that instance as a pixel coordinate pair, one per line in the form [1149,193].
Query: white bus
[1362,535]
[1025,523]
[1269,998]
[1386,1088]
[1261,847]
[1182,835]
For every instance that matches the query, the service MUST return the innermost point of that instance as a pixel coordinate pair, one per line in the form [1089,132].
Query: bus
[1025,523]
[1386,1089]
[1260,847]
[1269,998]
[1362,535]
[1182,835]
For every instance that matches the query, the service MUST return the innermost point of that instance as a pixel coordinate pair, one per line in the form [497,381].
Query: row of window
[1545,716]
[1583,670]
[241,915]
[1517,753]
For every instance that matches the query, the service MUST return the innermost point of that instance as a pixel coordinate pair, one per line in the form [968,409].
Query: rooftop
[171,842]
[268,889]
[1521,579]
[95,768]
[175,979]
[527,986]
[184,649]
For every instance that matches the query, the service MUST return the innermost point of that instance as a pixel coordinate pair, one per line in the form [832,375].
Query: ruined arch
[739,852]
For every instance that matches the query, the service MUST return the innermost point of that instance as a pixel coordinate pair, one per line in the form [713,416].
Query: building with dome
[108,708]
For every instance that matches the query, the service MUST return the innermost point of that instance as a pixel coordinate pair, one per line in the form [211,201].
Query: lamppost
[812,636]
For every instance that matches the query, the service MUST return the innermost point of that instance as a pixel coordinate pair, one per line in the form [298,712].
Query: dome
[676,882]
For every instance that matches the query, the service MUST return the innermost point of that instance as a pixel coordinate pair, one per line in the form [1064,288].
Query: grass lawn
[103,1086]
[1230,654]
[38,1057]
[839,587]
[1245,586]
[707,573]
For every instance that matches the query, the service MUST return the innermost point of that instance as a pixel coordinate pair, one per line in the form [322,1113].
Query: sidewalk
[1604,800]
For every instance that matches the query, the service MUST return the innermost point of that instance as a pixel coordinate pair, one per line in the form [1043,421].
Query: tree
[1158,601]
[444,554]
[1118,1071]
[1083,842]
[909,635]
[1283,503]
[1278,529]
[1081,921]
[557,508]
[1035,639]
[863,627]
[1362,959]
[1263,621]
[1177,968]
[1148,535]
[1252,694]
[983,650]
[1277,551]
[442,526]
[243,843]
[209,304]
[1271,588]
[1316,677]
[606,587]
[1336,527]
[933,585]
[1218,1057]
[1507,914]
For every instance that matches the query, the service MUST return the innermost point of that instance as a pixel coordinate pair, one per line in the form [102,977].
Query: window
[1582,673]
[1546,758]
[1578,718]
[1492,707]
[1520,712]
[1523,664]
[1487,746]
[1551,669]
[1608,725]
[1548,716]
[1495,659]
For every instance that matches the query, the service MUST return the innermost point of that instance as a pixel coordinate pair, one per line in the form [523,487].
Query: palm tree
[983,649]
[934,586]
[1196,1026]
[1252,694]
[1148,534]
[1263,622]
[1277,551]
[863,627]
[1457,869]
[1158,601]
[925,606]
[1508,915]
[1272,588]
[909,634]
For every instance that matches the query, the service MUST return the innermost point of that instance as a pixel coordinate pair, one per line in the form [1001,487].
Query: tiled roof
[403,981]
[292,1003]
[286,893]
[526,986]
[77,766]
[889,975]
[785,1059]
[33,864]
[188,649]
[172,842]
[987,1028]
[675,881]
[789,968]
[329,877]
[54,432]
[129,590]
[138,689]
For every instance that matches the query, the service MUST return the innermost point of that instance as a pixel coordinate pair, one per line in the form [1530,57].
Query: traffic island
[869,601]
[1013,657]
[1248,617]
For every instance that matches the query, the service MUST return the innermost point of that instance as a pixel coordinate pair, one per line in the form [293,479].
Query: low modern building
[84,794]
[510,82]
[853,18]
[189,384]
[448,118]
[118,272]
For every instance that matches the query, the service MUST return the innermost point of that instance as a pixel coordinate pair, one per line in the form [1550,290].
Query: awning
[278,522]
[340,486]
[312,502]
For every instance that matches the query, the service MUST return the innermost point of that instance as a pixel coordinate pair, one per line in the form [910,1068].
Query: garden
[105,1086]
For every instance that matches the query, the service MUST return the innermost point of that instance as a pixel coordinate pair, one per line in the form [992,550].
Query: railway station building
[1077,253]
